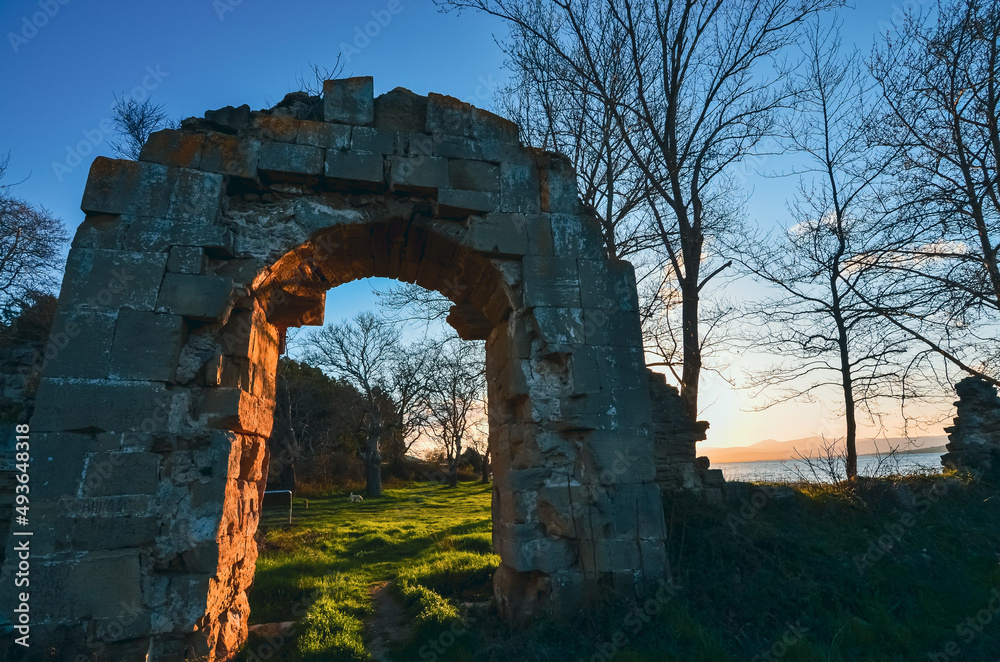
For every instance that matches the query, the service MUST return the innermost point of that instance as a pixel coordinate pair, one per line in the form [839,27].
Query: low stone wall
[678,467]
[974,439]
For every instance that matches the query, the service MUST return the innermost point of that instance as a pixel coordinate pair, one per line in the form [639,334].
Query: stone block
[572,510]
[186,601]
[378,140]
[622,367]
[312,214]
[60,460]
[418,172]
[635,510]
[275,128]
[196,197]
[349,101]
[186,259]
[551,281]
[93,585]
[231,155]
[117,532]
[115,186]
[585,372]
[279,158]
[540,240]
[519,190]
[560,330]
[458,147]
[498,234]
[618,457]
[235,409]
[449,116]
[401,109]
[587,412]
[117,474]
[559,193]
[152,189]
[106,231]
[472,175]
[173,147]
[355,166]
[632,405]
[146,346]
[230,119]
[324,135]
[574,236]
[615,329]
[457,204]
[608,286]
[125,634]
[525,548]
[81,342]
[242,271]
[195,297]
[523,480]
[156,234]
[625,556]
[112,279]
[516,507]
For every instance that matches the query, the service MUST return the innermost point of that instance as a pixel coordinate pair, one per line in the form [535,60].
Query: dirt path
[388,625]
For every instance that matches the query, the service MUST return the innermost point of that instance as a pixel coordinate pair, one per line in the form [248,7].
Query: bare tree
[134,121]
[939,81]
[697,101]
[827,337]
[31,240]
[557,109]
[367,352]
[407,302]
[454,392]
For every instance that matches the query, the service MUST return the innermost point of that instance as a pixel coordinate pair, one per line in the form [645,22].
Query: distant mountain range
[769,449]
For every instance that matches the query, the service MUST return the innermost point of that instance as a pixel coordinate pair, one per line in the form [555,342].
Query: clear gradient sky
[62,60]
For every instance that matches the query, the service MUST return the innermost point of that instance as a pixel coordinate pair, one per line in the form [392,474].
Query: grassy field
[908,570]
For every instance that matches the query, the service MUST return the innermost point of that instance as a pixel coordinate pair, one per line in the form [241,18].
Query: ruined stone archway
[150,423]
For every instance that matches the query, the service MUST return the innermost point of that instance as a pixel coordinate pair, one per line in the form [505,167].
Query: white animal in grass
[355,498]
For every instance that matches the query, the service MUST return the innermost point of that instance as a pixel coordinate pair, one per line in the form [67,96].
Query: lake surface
[793,470]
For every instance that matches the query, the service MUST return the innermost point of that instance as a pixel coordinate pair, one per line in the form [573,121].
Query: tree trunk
[692,350]
[486,467]
[373,467]
[847,383]
[852,433]
[453,476]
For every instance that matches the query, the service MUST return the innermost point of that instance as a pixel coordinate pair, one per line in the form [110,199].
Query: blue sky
[62,60]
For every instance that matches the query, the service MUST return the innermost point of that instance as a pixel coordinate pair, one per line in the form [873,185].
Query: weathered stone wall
[20,370]
[181,282]
[678,467]
[974,439]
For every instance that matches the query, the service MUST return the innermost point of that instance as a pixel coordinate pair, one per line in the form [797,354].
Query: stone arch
[151,419]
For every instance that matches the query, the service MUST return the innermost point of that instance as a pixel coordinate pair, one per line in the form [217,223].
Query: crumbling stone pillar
[678,467]
[974,439]
[148,437]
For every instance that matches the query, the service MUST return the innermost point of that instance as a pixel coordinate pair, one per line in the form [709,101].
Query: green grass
[771,577]
[425,537]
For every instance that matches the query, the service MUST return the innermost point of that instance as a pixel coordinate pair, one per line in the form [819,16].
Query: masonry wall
[974,439]
[678,467]
[149,431]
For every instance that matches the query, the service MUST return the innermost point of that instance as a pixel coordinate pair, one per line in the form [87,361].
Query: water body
[794,470]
